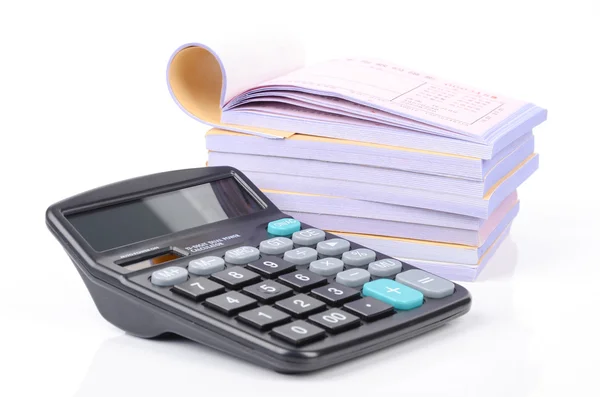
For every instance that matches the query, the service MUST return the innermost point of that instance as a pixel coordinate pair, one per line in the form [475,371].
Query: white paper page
[339,106]
[256,105]
[399,90]
[255,58]
[303,113]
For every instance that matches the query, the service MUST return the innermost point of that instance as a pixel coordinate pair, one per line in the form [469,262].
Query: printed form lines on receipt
[404,93]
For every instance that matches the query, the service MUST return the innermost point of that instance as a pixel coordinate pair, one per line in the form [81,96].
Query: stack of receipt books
[420,168]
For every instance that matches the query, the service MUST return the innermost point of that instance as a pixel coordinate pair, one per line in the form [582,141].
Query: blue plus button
[283,227]
[393,293]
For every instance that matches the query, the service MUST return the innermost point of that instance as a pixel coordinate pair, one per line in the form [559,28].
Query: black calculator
[204,254]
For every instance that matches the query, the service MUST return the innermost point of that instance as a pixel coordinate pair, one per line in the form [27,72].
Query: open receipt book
[421,168]
[360,99]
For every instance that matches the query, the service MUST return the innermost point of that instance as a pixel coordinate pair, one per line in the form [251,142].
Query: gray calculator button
[326,267]
[333,247]
[242,255]
[301,256]
[169,276]
[385,267]
[206,265]
[358,257]
[353,277]
[276,246]
[308,237]
[429,285]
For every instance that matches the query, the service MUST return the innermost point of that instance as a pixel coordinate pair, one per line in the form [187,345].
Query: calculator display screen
[138,220]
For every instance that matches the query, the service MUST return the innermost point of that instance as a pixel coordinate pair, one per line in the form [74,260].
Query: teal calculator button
[393,293]
[283,227]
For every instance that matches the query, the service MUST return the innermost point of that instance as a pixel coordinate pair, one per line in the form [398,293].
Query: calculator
[204,254]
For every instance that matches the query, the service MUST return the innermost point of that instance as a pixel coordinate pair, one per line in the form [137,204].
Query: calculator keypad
[198,288]
[268,291]
[335,294]
[303,280]
[308,237]
[385,267]
[353,277]
[299,287]
[231,302]
[333,247]
[264,317]
[326,267]
[169,276]
[428,284]
[393,293]
[206,266]
[235,277]
[359,257]
[276,246]
[271,266]
[369,309]
[335,320]
[301,256]
[283,227]
[300,305]
[299,332]
[242,255]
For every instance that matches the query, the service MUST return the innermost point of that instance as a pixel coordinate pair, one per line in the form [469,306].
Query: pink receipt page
[404,92]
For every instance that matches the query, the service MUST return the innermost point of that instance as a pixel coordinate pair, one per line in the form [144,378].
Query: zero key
[298,333]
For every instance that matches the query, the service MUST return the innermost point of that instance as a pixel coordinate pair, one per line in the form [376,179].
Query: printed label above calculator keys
[271,266]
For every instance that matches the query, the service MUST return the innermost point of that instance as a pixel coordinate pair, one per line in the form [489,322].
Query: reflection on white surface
[503,264]
[486,350]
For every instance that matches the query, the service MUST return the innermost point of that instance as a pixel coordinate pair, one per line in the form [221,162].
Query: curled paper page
[203,78]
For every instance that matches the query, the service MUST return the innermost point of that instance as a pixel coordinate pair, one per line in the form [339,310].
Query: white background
[83,102]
